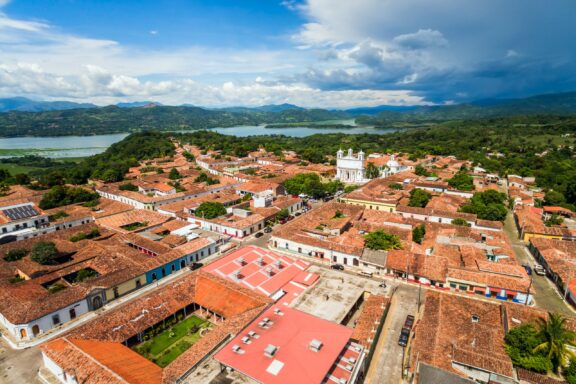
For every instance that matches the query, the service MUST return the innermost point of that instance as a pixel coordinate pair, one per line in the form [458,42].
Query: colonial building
[350,168]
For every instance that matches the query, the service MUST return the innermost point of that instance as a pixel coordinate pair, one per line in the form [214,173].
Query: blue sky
[314,53]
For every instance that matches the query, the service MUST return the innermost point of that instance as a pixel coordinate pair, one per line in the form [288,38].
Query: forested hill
[96,121]
[558,104]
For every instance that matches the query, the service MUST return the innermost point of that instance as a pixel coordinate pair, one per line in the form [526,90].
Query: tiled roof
[447,333]
[102,362]
[367,323]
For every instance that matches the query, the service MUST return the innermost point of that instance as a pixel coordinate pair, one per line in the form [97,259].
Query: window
[116,293]
[56,319]
[138,283]
[154,276]
[173,267]
[72,313]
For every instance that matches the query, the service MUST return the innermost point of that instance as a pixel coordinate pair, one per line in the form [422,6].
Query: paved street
[546,295]
[386,366]
[19,366]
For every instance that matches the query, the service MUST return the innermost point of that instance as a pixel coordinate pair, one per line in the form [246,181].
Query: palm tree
[557,340]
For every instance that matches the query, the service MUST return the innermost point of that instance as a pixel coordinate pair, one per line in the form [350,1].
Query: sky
[312,53]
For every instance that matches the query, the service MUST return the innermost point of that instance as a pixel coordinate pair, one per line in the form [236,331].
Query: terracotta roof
[370,316]
[447,334]
[102,362]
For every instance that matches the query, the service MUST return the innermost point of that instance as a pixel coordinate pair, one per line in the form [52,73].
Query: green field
[15,169]
[166,346]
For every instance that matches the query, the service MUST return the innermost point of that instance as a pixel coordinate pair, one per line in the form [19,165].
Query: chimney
[260,261]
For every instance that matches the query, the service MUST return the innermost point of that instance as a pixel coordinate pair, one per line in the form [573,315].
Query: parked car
[338,267]
[267,230]
[539,270]
[382,285]
[283,221]
[403,339]
[297,213]
[258,234]
[195,266]
[527,268]
[408,323]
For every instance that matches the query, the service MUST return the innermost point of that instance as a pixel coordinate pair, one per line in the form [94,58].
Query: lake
[81,146]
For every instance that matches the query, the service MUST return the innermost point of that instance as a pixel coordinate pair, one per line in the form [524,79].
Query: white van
[365,273]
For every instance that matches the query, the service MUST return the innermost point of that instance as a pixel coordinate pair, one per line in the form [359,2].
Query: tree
[418,233]
[419,198]
[421,171]
[174,174]
[557,338]
[396,186]
[85,273]
[15,254]
[189,156]
[462,182]
[554,198]
[555,219]
[210,210]
[60,195]
[460,222]
[520,343]
[372,171]
[44,252]
[128,187]
[379,240]
[308,184]
[282,214]
[487,205]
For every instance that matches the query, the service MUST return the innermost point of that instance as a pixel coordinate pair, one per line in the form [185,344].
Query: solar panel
[19,213]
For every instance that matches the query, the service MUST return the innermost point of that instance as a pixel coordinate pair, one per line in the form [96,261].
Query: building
[464,337]
[350,169]
[284,345]
[99,351]
[282,278]
[19,219]
[87,274]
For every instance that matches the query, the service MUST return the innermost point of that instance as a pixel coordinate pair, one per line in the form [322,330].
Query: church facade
[350,169]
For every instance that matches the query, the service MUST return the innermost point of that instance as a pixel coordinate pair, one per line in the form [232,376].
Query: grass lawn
[168,345]
[15,169]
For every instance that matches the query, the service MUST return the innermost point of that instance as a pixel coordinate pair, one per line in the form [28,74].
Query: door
[97,302]
[35,330]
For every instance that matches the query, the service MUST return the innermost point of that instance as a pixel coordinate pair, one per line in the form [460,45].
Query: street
[545,293]
[386,365]
[19,365]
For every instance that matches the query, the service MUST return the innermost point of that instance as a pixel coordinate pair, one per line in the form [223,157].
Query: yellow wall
[386,207]
[125,287]
[529,235]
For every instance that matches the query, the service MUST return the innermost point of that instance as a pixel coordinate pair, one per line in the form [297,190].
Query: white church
[351,169]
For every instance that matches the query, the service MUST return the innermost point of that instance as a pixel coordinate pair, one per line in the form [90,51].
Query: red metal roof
[294,361]
[264,271]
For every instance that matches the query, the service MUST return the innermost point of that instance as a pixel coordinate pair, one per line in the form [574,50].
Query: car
[195,266]
[527,268]
[267,230]
[258,234]
[338,267]
[403,339]
[408,323]
[283,221]
[539,270]
[297,213]
[382,285]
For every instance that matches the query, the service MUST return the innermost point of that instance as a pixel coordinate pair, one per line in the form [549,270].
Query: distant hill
[137,104]
[113,119]
[263,108]
[26,105]
[557,104]
[378,109]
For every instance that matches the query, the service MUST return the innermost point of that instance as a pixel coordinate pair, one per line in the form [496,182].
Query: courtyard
[168,340]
